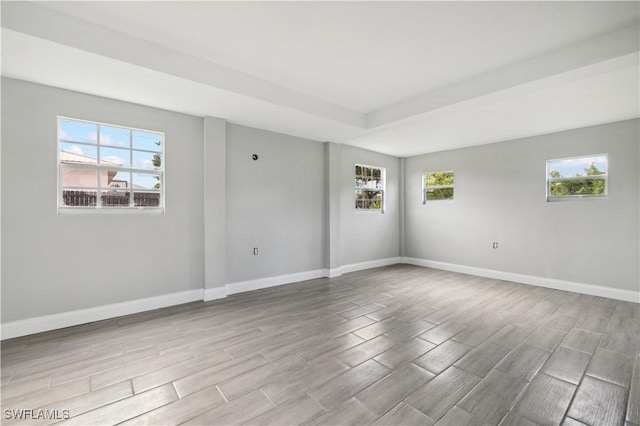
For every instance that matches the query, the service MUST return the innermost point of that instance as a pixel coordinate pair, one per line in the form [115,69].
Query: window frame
[99,188]
[574,197]
[426,187]
[382,191]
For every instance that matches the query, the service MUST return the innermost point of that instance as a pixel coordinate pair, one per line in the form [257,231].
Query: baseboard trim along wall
[242,286]
[260,283]
[590,289]
[370,264]
[82,316]
[214,293]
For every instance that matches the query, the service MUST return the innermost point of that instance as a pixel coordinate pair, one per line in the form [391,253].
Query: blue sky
[569,167]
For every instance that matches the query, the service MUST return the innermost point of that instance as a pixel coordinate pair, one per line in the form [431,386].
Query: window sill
[575,198]
[70,211]
[362,211]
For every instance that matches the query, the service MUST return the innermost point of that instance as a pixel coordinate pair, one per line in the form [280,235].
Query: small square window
[437,186]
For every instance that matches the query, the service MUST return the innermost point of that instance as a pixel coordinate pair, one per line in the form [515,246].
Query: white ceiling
[402,78]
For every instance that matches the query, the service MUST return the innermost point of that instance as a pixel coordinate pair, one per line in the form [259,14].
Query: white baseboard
[333,273]
[242,286]
[371,264]
[67,319]
[593,290]
[214,293]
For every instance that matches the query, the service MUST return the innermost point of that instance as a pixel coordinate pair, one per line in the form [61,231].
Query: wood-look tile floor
[394,345]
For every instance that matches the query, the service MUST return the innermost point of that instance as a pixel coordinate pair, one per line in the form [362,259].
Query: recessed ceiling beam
[60,28]
[599,54]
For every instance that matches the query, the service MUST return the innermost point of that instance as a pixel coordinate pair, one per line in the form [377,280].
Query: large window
[109,167]
[369,186]
[577,177]
[437,186]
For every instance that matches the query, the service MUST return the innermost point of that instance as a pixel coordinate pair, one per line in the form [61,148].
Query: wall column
[215,222]
[332,193]
[402,206]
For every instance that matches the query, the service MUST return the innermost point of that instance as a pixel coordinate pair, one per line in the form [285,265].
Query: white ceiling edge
[514,92]
[597,99]
[582,56]
[523,111]
[51,25]
[36,60]
[141,75]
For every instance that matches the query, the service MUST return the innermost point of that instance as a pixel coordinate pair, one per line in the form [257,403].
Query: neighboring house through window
[110,167]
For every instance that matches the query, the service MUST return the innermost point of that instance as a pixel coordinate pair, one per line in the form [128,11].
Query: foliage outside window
[109,167]
[570,178]
[438,186]
[369,187]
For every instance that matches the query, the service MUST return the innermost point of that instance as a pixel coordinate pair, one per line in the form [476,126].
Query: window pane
[77,131]
[115,198]
[78,177]
[439,178]
[579,166]
[73,198]
[146,160]
[146,181]
[114,136]
[114,157]
[78,154]
[115,179]
[577,187]
[368,200]
[146,199]
[147,141]
[439,194]
[371,183]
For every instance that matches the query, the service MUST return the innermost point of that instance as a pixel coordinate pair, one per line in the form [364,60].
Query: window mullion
[131,194]
[98,170]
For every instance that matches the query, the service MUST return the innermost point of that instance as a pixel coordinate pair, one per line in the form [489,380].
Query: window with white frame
[437,186]
[577,177]
[369,187]
[103,166]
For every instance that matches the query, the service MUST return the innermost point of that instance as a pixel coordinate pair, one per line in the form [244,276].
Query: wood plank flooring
[394,345]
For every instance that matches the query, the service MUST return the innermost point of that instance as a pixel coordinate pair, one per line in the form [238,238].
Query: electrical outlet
[255,250]
[495,245]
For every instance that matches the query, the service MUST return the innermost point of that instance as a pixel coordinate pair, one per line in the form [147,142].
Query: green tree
[581,186]
[439,178]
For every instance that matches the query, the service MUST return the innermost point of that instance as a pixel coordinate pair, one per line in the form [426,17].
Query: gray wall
[364,235]
[275,204]
[56,263]
[296,204]
[500,196]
